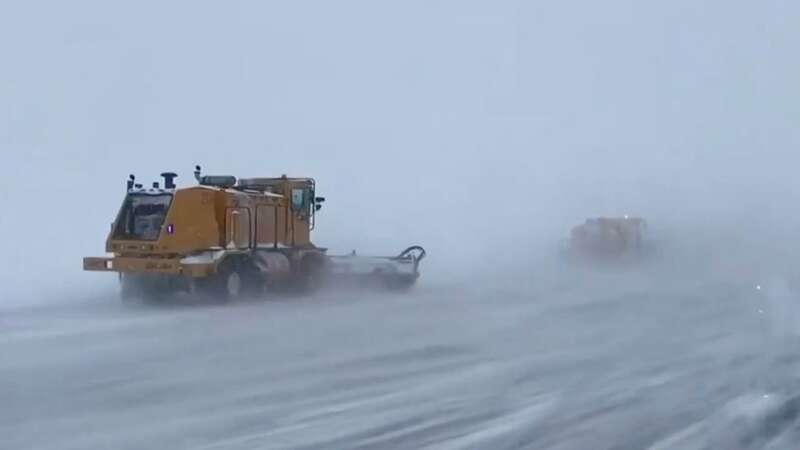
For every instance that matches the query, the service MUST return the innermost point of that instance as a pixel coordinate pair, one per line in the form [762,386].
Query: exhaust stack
[169,180]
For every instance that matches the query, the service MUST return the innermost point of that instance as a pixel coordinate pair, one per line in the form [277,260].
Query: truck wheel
[251,280]
[128,289]
[144,288]
[311,276]
[233,285]
[225,285]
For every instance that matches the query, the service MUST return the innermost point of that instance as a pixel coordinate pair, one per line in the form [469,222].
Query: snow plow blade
[394,272]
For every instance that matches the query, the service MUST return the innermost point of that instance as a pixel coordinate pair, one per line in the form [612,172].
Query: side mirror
[319,199]
[317,207]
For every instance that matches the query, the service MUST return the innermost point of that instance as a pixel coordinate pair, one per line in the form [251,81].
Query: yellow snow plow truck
[227,237]
[609,238]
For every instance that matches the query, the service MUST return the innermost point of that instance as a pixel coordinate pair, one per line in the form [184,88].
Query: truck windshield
[142,216]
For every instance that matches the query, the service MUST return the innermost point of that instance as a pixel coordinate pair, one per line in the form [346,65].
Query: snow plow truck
[226,237]
[609,239]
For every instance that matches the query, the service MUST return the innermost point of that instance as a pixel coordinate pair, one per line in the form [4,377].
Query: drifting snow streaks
[599,367]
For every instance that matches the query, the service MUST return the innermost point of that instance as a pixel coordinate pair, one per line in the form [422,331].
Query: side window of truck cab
[297,199]
[301,200]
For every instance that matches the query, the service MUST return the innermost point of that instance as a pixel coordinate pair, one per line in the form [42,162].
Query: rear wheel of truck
[233,285]
[311,275]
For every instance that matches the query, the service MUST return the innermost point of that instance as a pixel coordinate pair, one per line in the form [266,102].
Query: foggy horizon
[483,131]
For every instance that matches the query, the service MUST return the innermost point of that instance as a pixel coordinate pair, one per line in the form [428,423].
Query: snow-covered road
[615,362]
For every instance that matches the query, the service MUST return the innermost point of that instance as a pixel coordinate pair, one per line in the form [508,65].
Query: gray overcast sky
[459,124]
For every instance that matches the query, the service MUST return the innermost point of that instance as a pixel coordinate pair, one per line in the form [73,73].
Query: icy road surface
[611,362]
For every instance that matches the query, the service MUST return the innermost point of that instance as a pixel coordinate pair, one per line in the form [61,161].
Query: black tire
[234,279]
[129,289]
[253,281]
[310,277]
[137,288]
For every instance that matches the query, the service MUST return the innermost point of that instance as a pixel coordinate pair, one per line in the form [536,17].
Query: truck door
[301,215]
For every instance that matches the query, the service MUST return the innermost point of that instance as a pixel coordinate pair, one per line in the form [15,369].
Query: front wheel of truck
[230,282]
[128,289]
